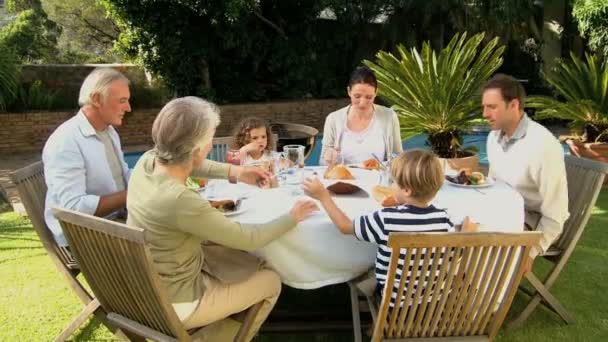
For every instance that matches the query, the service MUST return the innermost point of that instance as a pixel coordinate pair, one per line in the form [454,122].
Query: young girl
[253,138]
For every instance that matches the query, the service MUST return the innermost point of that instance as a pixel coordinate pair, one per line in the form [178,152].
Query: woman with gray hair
[199,253]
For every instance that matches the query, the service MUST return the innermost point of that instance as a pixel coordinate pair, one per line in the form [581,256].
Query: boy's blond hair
[419,171]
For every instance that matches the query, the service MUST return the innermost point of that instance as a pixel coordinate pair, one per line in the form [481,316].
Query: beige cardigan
[335,123]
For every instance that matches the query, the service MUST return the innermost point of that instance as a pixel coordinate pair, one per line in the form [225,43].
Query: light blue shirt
[76,170]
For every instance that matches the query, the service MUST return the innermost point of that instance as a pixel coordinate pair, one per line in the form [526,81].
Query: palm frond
[8,77]
[584,86]
[437,92]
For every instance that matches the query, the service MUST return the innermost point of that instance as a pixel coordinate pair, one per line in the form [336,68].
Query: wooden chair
[221,145]
[585,178]
[117,263]
[306,132]
[476,277]
[32,191]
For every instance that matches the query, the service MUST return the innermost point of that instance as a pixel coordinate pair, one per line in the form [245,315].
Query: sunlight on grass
[36,303]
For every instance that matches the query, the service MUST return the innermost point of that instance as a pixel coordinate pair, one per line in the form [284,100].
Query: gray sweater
[387,118]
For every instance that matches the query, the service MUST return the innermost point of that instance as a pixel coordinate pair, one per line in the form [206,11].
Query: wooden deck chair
[585,178]
[472,279]
[310,133]
[117,264]
[221,145]
[32,191]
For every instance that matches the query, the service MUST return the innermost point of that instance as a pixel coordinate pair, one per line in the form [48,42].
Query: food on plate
[224,205]
[384,195]
[466,177]
[338,172]
[202,182]
[371,164]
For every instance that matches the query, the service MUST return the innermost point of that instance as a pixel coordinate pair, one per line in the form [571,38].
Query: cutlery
[481,192]
[379,161]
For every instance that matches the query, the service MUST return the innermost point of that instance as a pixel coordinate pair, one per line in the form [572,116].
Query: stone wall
[27,132]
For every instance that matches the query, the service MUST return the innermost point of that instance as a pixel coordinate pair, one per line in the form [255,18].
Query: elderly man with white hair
[84,167]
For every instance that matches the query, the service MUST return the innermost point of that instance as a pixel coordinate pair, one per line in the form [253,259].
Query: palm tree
[438,95]
[584,87]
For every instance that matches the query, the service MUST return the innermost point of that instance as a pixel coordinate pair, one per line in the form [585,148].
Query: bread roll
[338,172]
[384,195]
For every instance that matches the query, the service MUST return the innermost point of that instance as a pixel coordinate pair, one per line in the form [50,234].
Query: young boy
[417,176]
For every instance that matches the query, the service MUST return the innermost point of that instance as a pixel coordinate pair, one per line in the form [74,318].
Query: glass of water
[293,174]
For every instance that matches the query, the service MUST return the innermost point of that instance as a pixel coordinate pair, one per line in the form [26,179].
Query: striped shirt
[375,228]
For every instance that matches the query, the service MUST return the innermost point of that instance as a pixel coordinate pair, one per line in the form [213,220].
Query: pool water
[477,140]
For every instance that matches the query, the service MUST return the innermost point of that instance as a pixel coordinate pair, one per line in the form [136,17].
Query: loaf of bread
[384,195]
[338,172]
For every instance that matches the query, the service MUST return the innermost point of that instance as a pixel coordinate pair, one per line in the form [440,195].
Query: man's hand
[315,189]
[528,263]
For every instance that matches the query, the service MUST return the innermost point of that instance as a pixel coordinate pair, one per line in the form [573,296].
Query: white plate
[489,182]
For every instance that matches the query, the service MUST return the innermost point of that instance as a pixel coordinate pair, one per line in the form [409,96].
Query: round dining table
[315,254]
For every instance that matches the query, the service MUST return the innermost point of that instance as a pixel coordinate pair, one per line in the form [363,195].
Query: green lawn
[35,302]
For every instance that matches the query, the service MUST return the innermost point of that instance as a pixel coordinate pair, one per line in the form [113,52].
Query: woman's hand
[250,174]
[331,156]
[302,209]
[315,189]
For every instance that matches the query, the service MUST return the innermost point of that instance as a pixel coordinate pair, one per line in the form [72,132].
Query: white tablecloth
[316,254]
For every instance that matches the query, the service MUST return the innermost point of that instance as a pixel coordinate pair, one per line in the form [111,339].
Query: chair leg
[78,321]
[247,322]
[354,301]
[553,303]
[541,294]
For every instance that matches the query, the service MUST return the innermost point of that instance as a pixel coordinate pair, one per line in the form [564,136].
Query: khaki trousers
[222,300]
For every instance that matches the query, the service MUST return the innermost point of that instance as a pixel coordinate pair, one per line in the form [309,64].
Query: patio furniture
[32,191]
[221,145]
[117,263]
[315,254]
[473,285]
[585,178]
[295,134]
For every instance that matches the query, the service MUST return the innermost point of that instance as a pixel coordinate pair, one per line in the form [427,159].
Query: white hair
[98,82]
[182,126]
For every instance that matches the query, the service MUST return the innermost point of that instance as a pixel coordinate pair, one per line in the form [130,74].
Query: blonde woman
[199,253]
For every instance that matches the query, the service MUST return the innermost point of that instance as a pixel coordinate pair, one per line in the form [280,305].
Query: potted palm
[439,95]
[583,91]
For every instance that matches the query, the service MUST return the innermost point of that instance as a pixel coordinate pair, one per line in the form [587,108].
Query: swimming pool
[475,139]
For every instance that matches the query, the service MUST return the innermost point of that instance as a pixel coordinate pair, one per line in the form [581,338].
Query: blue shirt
[76,170]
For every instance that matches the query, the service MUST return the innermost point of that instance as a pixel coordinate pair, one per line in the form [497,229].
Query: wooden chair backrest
[585,179]
[221,145]
[472,272]
[32,191]
[118,266]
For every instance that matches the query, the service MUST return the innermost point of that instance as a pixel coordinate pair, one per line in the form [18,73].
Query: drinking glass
[293,175]
[280,166]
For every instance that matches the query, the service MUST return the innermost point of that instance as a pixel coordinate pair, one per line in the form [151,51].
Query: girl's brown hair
[242,129]
[419,171]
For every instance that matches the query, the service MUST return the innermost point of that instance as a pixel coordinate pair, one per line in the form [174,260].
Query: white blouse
[356,147]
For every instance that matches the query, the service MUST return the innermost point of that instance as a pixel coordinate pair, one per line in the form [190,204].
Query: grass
[36,303]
